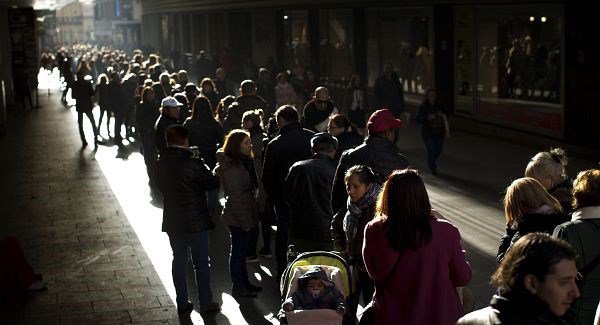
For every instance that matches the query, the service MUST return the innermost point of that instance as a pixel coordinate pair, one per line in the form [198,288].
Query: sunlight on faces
[558,289]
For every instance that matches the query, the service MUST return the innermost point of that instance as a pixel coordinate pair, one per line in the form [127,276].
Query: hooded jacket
[329,298]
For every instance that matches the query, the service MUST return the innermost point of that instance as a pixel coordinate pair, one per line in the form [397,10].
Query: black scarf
[248,163]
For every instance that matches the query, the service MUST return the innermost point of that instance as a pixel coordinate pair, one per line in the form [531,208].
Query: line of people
[327,188]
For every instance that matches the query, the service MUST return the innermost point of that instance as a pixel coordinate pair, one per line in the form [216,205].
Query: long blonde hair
[523,196]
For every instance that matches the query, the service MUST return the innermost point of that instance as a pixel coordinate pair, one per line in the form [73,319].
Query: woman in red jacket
[415,259]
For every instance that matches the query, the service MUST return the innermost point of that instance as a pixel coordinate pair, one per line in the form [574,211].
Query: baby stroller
[337,271]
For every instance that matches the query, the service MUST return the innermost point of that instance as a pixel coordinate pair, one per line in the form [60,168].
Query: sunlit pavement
[87,223]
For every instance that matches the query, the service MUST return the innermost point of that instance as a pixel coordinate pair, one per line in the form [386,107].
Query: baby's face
[315,285]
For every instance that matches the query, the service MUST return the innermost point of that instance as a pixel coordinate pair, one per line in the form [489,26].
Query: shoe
[243,292]
[210,308]
[251,259]
[187,309]
[265,253]
[253,288]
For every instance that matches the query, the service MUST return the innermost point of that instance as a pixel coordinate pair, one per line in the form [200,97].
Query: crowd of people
[333,179]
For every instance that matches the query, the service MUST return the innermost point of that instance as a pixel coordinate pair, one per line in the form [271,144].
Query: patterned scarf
[355,210]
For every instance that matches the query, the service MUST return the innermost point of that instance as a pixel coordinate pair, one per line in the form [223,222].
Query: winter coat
[146,115]
[117,100]
[83,91]
[241,208]
[291,145]
[315,118]
[183,181]
[512,309]
[161,126]
[257,137]
[582,232]
[422,289]
[207,135]
[241,105]
[389,94]
[102,96]
[427,127]
[533,222]
[353,249]
[376,152]
[329,298]
[307,191]
[347,140]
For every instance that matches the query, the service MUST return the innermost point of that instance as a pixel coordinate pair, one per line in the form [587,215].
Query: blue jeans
[197,244]
[434,146]
[237,256]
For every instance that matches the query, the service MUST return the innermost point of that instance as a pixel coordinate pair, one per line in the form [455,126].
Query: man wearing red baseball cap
[379,152]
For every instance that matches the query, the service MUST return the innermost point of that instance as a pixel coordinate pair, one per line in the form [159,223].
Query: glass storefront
[509,66]
[404,38]
[336,53]
[297,52]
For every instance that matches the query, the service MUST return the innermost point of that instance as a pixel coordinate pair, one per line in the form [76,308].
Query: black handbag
[368,314]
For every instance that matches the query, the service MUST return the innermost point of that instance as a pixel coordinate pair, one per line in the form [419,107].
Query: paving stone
[111,317]
[127,304]
[152,314]
[90,296]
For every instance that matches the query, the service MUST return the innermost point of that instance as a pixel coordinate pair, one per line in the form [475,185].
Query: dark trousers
[434,145]
[117,130]
[266,236]
[238,239]
[90,116]
[282,236]
[197,244]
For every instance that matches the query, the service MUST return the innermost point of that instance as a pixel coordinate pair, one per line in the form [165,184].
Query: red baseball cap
[382,120]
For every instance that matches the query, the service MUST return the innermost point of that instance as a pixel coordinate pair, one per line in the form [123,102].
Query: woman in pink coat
[415,259]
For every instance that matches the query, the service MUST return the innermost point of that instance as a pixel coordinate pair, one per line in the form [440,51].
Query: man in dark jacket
[169,116]
[266,90]
[318,110]
[389,92]
[82,93]
[291,145]
[536,284]
[248,100]
[183,181]
[379,152]
[307,191]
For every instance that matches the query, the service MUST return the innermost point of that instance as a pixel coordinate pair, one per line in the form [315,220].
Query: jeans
[282,237]
[117,130]
[266,237]
[197,243]
[212,199]
[237,257]
[434,145]
[80,122]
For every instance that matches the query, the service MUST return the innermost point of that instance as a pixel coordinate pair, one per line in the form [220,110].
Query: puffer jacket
[241,208]
[307,191]
[183,181]
[376,152]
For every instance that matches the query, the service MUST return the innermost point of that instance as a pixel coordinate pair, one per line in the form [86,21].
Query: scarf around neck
[354,210]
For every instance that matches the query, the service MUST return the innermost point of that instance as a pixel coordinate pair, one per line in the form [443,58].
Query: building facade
[75,22]
[526,67]
[118,23]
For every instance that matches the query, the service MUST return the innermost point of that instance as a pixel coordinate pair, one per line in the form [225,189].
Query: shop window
[264,46]
[297,54]
[404,39]
[336,59]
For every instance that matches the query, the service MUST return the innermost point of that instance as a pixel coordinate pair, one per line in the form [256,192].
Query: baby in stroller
[315,291]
